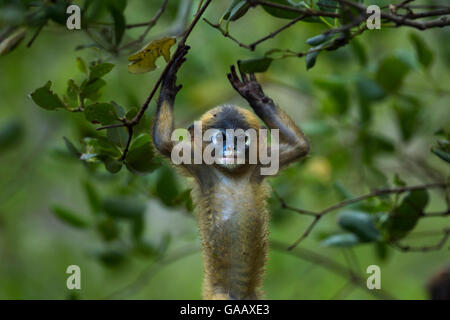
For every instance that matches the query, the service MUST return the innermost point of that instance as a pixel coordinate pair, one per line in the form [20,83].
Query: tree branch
[150,24]
[376,193]
[437,246]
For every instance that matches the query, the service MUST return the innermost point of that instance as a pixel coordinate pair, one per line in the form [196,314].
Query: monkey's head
[226,128]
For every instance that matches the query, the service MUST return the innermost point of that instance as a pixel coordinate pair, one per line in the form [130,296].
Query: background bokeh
[37,173]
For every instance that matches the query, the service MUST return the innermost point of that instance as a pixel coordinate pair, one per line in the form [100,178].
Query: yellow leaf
[144,60]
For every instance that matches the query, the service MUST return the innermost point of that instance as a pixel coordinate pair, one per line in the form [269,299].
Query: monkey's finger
[243,74]
[178,62]
[232,81]
[252,77]
[185,50]
[234,74]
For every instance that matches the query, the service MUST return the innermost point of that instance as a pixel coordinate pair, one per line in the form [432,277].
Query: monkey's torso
[233,221]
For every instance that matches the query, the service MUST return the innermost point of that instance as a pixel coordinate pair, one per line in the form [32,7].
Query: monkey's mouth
[230,157]
[227,160]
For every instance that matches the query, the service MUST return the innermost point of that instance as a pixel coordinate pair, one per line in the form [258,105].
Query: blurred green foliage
[373,110]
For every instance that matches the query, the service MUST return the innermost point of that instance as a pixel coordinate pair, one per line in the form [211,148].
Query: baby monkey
[230,198]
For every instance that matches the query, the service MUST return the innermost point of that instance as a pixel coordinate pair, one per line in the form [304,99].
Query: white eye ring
[217,137]
[247,139]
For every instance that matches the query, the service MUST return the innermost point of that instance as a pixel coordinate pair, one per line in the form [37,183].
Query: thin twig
[226,34]
[274,33]
[399,20]
[150,24]
[376,193]
[437,246]
[37,32]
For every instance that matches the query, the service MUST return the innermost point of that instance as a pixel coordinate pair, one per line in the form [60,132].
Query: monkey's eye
[218,137]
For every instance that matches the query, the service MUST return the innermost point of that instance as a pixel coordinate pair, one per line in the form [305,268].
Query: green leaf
[131,113]
[112,257]
[424,54]
[285,14]
[236,10]
[71,96]
[90,90]
[94,200]
[359,51]
[71,148]
[118,135]
[359,223]
[337,91]
[342,191]
[56,11]
[81,64]
[119,24]
[373,145]
[103,113]
[120,111]
[256,65]
[11,133]
[407,111]
[124,207]
[138,228]
[404,218]
[381,250]
[108,229]
[444,155]
[69,217]
[319,39]
[99,70]
[46,99]
[99,149]
[145,248]
[398,181]
[328,5]
[310,58]
[341,240]
[369,90]
[141,156]
[167,188]
[119,5]
[391,73]
[186,199]
[112,165]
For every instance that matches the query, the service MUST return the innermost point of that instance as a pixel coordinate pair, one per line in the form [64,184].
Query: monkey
[230,199]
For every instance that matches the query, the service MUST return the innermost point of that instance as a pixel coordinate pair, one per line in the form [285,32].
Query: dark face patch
[229,118]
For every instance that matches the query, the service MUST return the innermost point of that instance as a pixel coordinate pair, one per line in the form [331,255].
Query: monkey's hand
[169,84]
[248,87]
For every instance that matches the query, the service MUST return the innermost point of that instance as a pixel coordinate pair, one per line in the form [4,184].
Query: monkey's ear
[191,130]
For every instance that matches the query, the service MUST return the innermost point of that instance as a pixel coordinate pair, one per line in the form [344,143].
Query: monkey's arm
[164,119]
[293,143]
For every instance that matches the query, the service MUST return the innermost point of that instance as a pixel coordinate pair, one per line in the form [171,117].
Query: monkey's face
[230,133]
[232,146]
